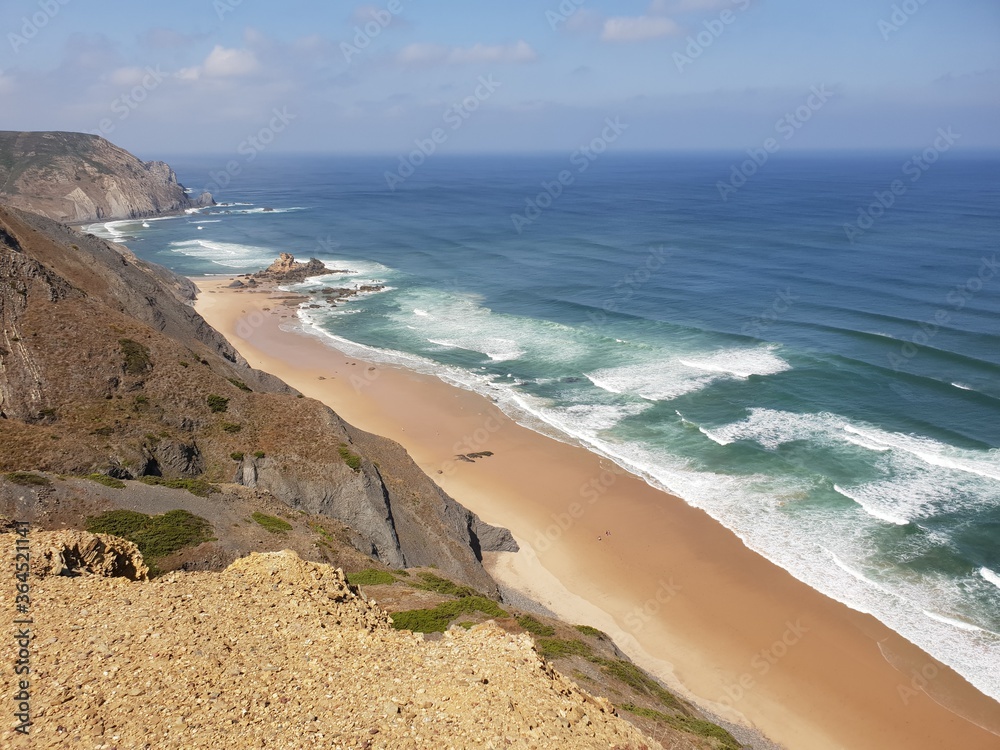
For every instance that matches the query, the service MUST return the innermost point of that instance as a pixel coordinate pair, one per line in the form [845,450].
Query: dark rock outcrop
[285,270]
[75,177]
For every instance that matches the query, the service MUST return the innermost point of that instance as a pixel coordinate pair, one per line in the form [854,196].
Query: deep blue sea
[835,401]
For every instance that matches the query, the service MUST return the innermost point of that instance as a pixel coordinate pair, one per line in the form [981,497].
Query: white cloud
[126,76]
[637,29]
[422,54]
[222,63]
[229,63]
[6,83]
[433,54]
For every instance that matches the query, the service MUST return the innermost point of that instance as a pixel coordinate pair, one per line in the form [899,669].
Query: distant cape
[75,177]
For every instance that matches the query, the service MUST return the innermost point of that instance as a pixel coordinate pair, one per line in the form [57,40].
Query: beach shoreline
[678,592]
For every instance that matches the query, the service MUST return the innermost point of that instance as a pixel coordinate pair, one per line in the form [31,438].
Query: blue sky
[526,75]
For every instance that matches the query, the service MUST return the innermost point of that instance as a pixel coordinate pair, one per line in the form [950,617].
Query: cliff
[105,368]
[277,652]
[74,177]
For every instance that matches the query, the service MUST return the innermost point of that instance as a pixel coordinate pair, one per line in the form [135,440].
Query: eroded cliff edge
[76,177]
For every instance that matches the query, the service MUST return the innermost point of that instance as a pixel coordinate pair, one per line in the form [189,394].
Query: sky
[204,76]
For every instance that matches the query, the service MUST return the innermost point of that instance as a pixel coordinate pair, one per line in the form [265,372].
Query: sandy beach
[677,591]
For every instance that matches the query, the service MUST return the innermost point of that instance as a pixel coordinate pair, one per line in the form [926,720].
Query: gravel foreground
[275,652]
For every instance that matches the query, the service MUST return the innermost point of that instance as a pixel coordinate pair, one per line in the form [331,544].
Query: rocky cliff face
[74,177]
[104,367]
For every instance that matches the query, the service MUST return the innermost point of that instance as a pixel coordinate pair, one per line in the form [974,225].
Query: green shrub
[437,620]
[184,364]
[240,384]
[106,481]
[136,356]
[232,427]
[272,524]
[27,479]
[236,455]
[370,578]
[198,487]
[555,648]
[592,632]
[258,454]
[635,678]
[350,458]
[218,404]
[688,724]
[535,627]
[439,585]
[155,536]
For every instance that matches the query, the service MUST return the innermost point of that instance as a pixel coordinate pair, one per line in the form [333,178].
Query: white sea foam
[990,576]
[960,624]
[497,349]
[671,377]
[963,387]
[741,363]
[871,509]
[227,254]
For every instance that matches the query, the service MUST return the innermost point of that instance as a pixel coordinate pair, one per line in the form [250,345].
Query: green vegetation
[104,431]
[218,404]
[198,487]
[240,384]
[27,479]
[439,585]
[401,572]
[436,620]
[687,724]
[351,458]
[592,632]
[555,648]
[155,536]
[534,627]
[370,578]
[47,414]
[639,681]
[232,427]
[137,360]
[141,401]
[258,454]
[184,364]
[271,523]
[236,455]
[106,481]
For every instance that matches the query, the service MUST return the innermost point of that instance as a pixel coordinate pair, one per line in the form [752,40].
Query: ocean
[808,350]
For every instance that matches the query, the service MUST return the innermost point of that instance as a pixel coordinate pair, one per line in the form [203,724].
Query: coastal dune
[681,594]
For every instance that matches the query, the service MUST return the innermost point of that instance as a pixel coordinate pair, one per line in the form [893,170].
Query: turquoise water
[835,403]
